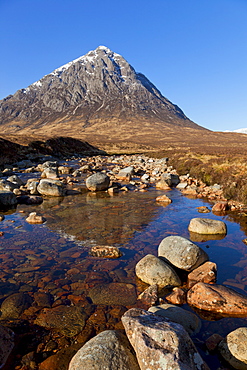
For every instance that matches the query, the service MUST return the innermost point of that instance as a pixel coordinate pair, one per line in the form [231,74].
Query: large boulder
[217,299]
[98,181]
[187,319]
[7,198]
[234,348]
[51,187]
[160,343]
[6,344]
[153,270]
[108,350]
[207,226]
[171,179]
[126,173]
[181,252]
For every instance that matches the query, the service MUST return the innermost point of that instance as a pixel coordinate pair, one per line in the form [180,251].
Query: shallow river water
[53,257]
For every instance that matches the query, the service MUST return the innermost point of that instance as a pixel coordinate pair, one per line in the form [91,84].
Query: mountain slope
[98,93]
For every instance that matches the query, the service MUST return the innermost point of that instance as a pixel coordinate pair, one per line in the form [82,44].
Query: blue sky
[194,51]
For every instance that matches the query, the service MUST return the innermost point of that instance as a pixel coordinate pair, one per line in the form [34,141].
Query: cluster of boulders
[159,336]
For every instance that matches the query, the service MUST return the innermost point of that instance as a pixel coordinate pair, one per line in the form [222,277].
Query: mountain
[97,96]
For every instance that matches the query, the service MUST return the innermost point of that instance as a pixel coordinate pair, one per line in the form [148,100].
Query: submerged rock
[160,343]
[68,320]
[207,226]
[14,305]
[153,270]
[108,350]
[105,251]
[113,294]
[181,252]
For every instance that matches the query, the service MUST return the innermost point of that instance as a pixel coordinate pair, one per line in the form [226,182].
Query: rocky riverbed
[75,236]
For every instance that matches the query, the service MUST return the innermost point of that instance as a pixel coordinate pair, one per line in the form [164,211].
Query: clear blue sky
[194,51]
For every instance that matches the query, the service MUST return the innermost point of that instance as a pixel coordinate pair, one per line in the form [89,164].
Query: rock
[182,185]
[68,320]
[51,187]
[2,217]
[213,341]
[207,226]
[33,218]
[160,343]
[203,209]
[42,299]
[27,199]
[105,251]
[220,207]
[14,305]
[15,180]
[217,299]
[153,270]
[190,322]
[7,198]
[234,348]
[98,181]
[177,296]
[126,173]
[61,359]
[113,294]
[205,273]
[163,199]
[108,350]
[6,344]
[65,170]
[181,252]
[162,185]
[32,186]
[50,173]
[150,295]
[170,178]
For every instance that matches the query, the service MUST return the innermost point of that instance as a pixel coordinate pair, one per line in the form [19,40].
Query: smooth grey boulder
[6,344]
[160,343]
[126,172]
[153,270]
[181,252]
[207,226]
[190,322]
[98,181]
[234,348]
[50,173]
[108,350]
[51,187]
[7,198]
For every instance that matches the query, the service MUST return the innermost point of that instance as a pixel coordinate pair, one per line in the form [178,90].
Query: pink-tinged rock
[217,299]
[160,343]
[150,296]
[177,296]
[220,207]
[163,199]
[205,273]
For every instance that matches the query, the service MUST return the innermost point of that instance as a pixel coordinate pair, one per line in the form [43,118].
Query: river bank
[50,263]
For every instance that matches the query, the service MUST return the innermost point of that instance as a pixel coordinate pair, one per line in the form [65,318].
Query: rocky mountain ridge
[98,88]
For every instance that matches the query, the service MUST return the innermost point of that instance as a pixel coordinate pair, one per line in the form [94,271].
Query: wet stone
[68,320]
[6,344]
[105,251]
[113,294]
[14,305]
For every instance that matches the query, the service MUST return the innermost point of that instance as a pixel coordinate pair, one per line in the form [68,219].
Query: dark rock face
[99,85]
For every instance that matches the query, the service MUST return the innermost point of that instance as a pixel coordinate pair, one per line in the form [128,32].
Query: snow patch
[239,131]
